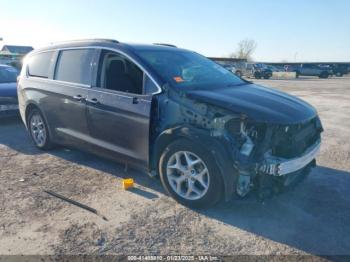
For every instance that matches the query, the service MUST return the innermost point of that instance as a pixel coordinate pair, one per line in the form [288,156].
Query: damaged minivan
[172,112]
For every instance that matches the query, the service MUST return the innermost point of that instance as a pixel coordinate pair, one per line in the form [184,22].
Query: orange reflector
[178,79]
[128,183]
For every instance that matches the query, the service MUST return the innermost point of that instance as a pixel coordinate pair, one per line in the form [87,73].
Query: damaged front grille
[293,140]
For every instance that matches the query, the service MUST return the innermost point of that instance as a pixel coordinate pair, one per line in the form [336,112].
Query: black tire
[324,75]
[297,74]
[47,143]
[339,74]
[257,75]
[239,74]
[215,188]
[266,76]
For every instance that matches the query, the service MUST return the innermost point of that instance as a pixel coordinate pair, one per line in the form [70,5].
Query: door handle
[78,97]
[135,100]
[92,101]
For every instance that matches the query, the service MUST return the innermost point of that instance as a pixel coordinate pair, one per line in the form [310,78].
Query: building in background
[16,50]
[13,54]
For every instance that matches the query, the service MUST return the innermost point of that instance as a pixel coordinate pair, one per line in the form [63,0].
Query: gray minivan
[207,133]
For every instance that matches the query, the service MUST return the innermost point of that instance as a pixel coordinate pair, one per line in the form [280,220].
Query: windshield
[8,74]
[188,69]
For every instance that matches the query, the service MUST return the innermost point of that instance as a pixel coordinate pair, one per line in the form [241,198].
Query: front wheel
[339,74]
[38,129]
[189,173]
[324,75]
[257,75]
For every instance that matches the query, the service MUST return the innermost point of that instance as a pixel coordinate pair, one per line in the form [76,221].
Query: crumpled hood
[257,102]
[8,89]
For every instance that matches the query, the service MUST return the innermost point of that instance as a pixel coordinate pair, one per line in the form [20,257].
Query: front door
[118,110]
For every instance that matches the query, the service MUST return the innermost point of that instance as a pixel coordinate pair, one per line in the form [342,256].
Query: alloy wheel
[37,129]
[188,175]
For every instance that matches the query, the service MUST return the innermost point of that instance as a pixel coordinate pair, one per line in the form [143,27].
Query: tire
[38,130]
[324,75]
[239,74]
[339,74]
[266,76]
[297,74]
[257,76]
[176,176]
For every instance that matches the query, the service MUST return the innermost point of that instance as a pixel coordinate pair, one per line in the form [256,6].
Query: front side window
[188,69]
[75,66]
[8,74]
[117,72]
[39,64]
[149,87]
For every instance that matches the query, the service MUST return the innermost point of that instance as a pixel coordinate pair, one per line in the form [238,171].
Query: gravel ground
[314,218]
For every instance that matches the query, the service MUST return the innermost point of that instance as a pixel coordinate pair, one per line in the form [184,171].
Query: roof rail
[170,45]
[88,39]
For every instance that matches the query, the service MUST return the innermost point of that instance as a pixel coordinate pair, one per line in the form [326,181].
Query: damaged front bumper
[277,169]
[276,166]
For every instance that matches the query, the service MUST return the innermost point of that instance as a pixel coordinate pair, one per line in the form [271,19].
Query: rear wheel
[339,74]
[39,130]
[324,75]
[190,175]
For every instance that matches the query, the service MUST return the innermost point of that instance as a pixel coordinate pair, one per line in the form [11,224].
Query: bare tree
[245,49]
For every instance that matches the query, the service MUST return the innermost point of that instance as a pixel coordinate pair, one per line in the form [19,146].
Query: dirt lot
[314,218]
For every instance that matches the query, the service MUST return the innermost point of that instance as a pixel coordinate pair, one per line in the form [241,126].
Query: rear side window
[75,66]
[39,64]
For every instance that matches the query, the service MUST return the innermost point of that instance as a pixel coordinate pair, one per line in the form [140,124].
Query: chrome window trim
[121,93]
[105,48]
[60,82]
[89,87]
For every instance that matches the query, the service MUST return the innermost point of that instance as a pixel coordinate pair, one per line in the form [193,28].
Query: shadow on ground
[314,217]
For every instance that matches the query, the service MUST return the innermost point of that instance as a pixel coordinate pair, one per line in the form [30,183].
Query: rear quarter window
[75,66]
[39,64]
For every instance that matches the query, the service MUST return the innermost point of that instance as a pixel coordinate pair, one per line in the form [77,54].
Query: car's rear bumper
[279,167]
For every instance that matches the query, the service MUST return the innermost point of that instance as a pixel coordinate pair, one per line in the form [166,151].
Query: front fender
[216,146]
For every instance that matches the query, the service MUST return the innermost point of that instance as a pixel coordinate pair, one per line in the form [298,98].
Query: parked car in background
[172,112]
[238,70]
[272,68]
[257,71]
[313,70]
[290,68]
[230,68]
[8,91]
[340,69]
[11,60]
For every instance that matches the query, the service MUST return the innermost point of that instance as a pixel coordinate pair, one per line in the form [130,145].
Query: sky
[284,30]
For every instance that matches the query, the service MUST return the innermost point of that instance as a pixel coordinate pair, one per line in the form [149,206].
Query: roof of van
[108,43]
